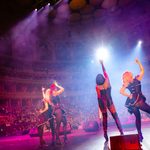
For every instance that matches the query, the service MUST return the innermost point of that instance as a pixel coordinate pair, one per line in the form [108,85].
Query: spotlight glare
[48,4]
[102,54]
[140,42]
[36,9]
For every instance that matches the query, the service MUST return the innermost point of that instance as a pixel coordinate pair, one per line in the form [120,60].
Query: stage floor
[77,140]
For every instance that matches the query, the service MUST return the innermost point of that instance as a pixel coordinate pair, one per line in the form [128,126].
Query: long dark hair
[100,79]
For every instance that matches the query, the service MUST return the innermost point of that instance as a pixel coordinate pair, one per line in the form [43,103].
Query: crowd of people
[20,121]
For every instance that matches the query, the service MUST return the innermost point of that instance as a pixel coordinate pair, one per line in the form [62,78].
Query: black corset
[135,87]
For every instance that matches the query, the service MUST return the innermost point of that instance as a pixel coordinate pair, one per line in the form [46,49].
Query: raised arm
[60,89]
[140,76]
[43,92]
[104,70]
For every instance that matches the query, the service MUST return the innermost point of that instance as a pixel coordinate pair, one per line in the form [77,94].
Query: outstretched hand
[130,96]
[43,88]
[55,82]
[137,61]
[40,111]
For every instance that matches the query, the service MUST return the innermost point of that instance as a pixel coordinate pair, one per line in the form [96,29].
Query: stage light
[42,3]
[139,45]
[140,42]
[35,9]
[102,54]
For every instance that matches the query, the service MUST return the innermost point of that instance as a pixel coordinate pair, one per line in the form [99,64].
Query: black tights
[116,118]
[136,110]
[40,133]
[41,130]
[60,118]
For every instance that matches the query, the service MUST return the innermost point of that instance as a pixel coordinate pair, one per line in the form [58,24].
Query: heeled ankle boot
[106,136]
[65,139]
[121,132]
[119,125]
[53,141]
[42,142]
[140,136]
[58,142]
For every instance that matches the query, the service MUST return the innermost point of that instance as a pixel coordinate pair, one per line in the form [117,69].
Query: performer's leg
[105,125]
[40,132]
[52,126]
[64,121]
[58,114]
[102,106]
[144,106]
[116,118]
[138,122]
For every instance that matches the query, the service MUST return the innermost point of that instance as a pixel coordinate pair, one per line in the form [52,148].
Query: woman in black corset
[55,91]
[103,89]
[135,99]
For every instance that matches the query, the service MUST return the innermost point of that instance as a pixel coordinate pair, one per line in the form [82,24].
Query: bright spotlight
[139,45]
[140,42]
[102,54]
[36,9]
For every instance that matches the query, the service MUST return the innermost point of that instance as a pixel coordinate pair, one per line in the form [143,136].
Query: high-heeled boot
[116,118]
[65,140]
[140,136]
[106,136]
[58,142]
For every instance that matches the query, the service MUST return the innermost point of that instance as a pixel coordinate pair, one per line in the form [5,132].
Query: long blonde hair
[127,76]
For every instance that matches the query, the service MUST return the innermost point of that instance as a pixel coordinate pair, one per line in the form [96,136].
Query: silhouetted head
[100,79]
